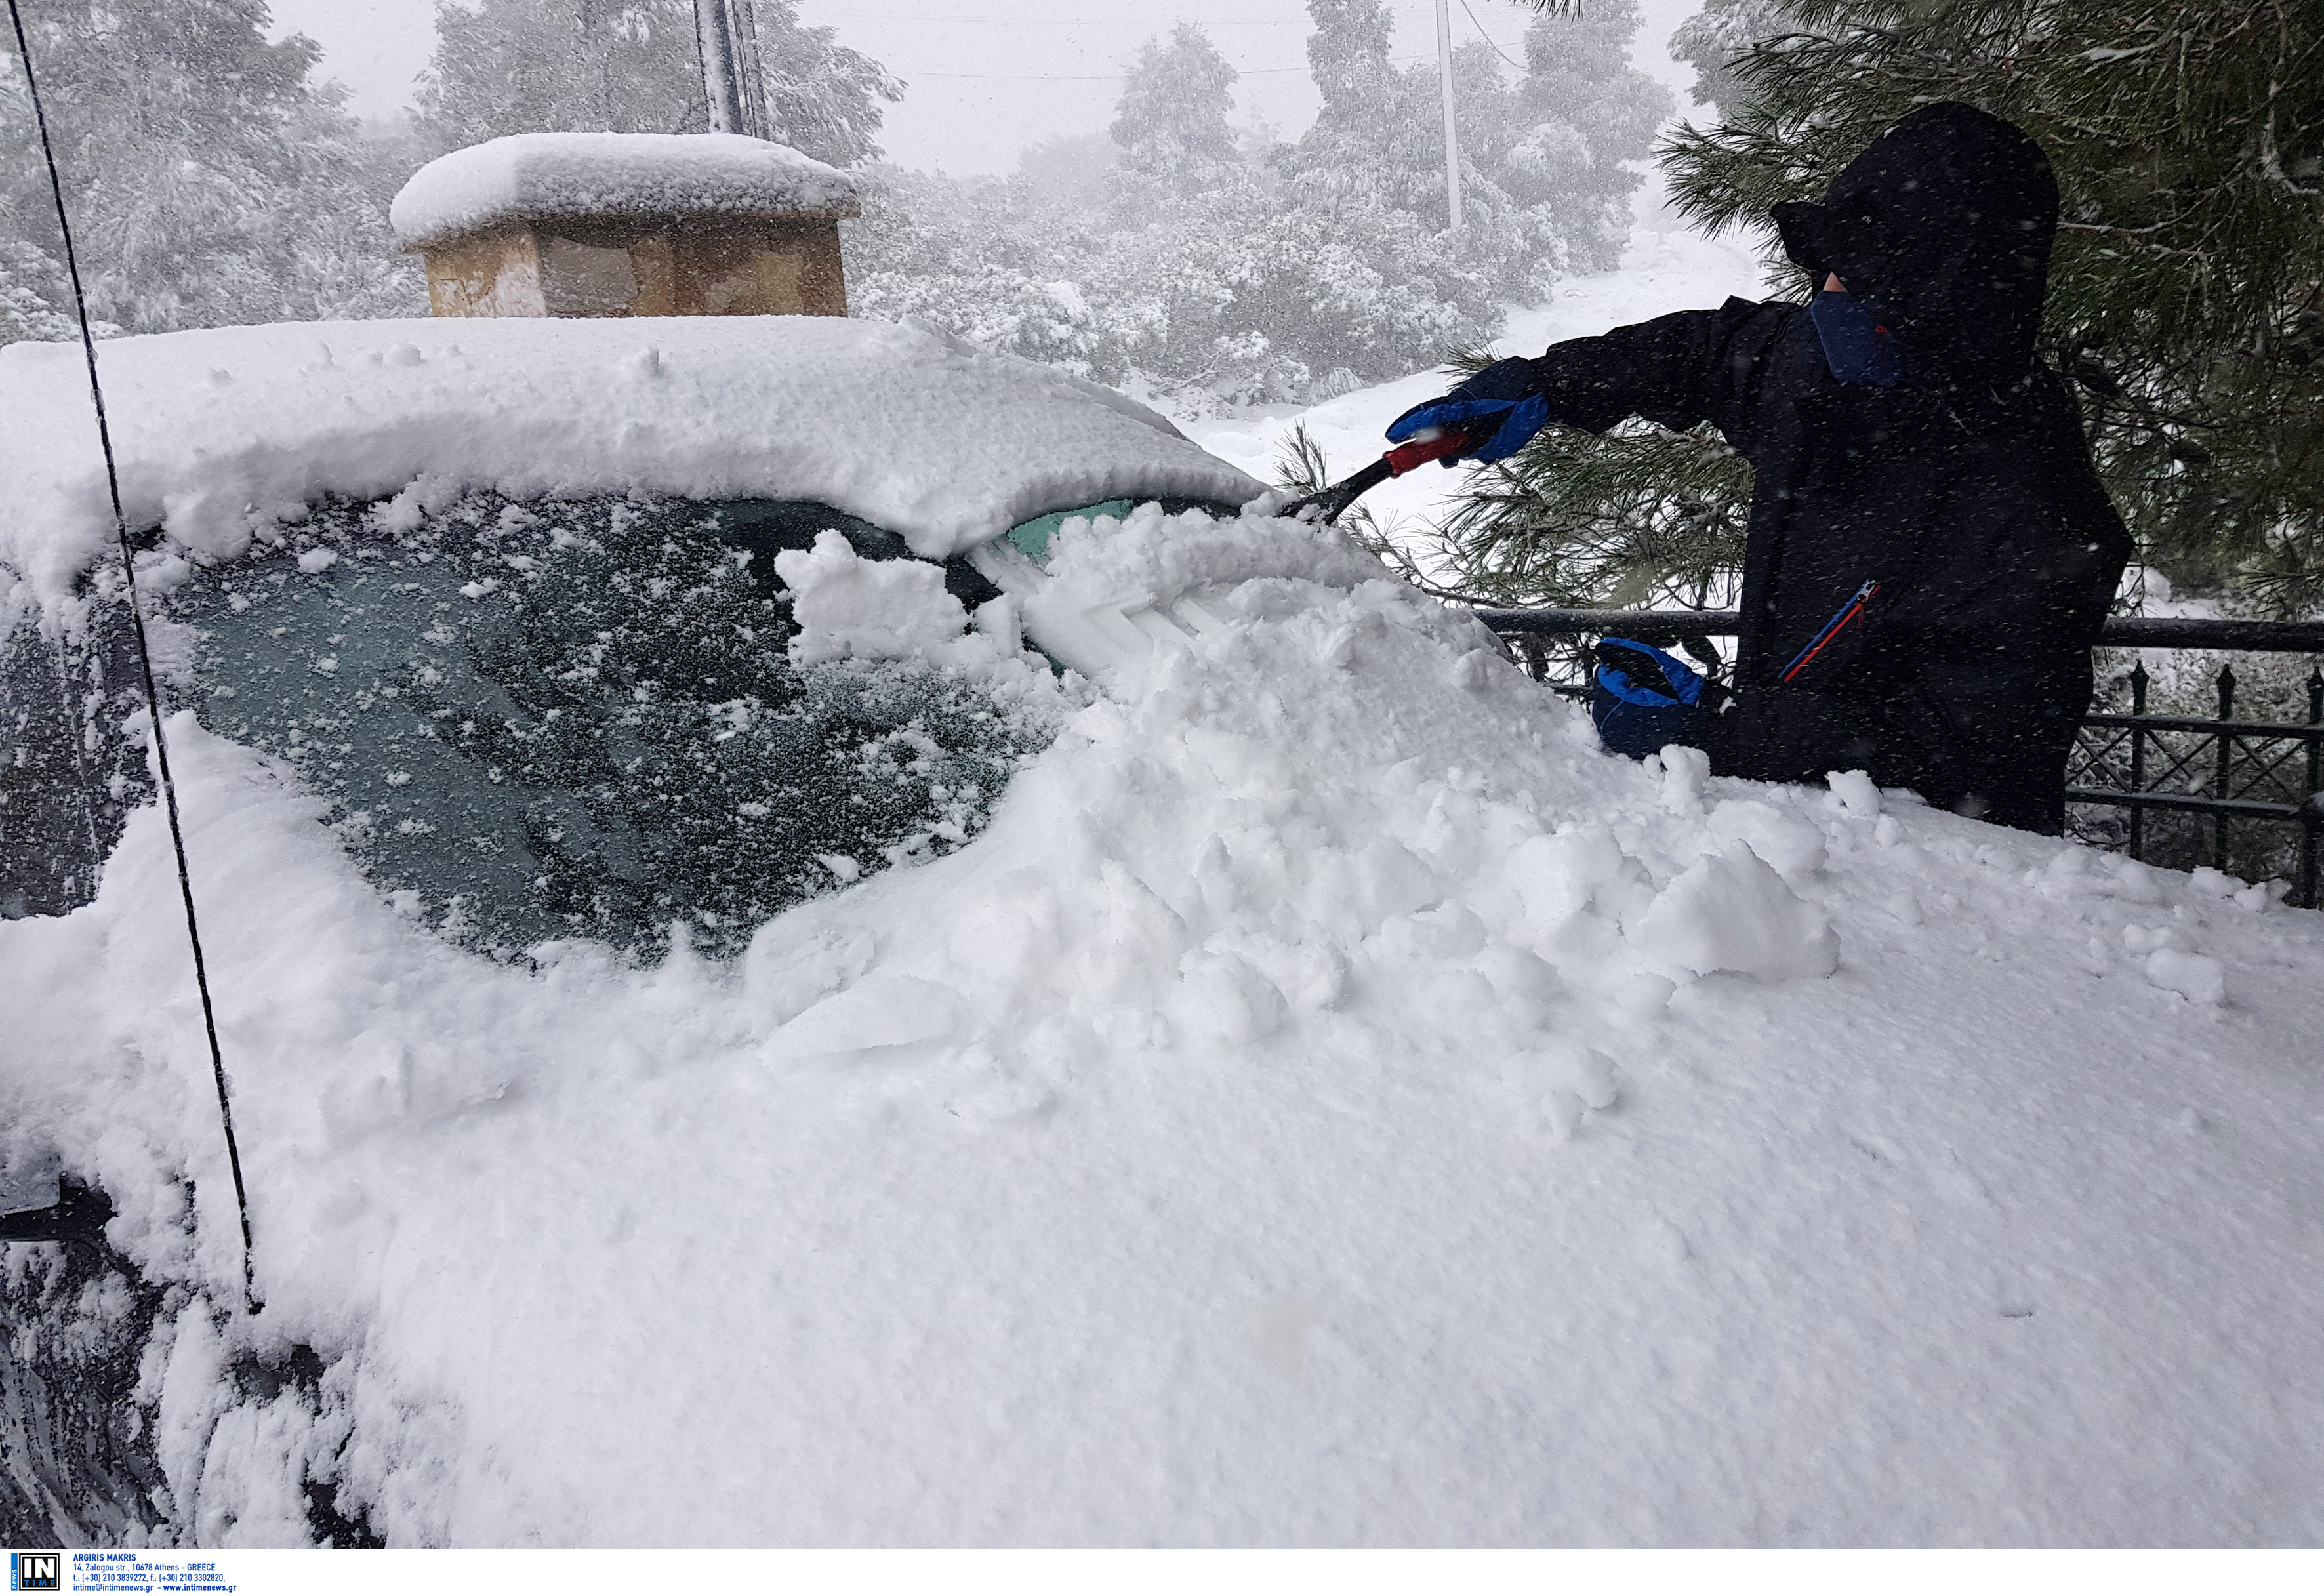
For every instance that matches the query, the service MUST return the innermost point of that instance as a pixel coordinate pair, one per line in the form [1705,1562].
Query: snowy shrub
[1233,299]
[28,280]
[1217,273]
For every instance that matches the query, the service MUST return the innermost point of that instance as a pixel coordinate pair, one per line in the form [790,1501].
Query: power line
[1051,22]
[1065,77]
[909,76]
[1489,39]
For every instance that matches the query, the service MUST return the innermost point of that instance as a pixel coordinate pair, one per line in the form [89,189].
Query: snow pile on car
[541,177]
[1331,1104]
[848,608]
[226,435]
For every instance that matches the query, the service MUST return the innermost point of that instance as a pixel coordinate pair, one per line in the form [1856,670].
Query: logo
[35,1571]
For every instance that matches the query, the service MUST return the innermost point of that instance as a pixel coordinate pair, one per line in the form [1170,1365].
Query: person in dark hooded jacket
[1929,554]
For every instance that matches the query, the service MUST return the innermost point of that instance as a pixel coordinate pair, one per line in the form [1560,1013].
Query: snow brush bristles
[145,657]
[1327,504]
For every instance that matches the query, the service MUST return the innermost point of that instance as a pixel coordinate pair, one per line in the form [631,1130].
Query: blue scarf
[1856,343]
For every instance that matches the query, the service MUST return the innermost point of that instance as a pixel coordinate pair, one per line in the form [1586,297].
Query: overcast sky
[986,77]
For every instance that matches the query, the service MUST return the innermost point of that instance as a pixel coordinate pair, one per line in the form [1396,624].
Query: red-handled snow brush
[1326,503]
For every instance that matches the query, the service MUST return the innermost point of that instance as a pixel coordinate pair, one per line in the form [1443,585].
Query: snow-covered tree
[560,65]
[210,179]
[1172,121]
[1281,273]
[635,66]
[1717,36]
[1544,185]
[823,98]
[1203,277]
[28,278]
[1370,138]
[1580,117]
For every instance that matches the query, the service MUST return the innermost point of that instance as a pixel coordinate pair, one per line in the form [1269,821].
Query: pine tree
[2187,291]
[1637,517]
[210,180]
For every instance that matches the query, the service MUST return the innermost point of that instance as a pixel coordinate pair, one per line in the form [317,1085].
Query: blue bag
[1635,721]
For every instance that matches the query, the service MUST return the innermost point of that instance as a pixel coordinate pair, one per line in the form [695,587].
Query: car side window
[68,774]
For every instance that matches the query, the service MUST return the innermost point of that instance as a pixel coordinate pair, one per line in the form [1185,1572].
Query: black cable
[145,658]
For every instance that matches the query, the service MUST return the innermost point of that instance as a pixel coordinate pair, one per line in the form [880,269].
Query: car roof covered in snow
[222,432]
[530,177]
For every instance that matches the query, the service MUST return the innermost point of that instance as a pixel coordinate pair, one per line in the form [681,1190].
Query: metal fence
[2239,795]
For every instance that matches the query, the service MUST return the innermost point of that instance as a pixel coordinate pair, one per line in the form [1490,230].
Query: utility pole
[1451,132]
[729,36]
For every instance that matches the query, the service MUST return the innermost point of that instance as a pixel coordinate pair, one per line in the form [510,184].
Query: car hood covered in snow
[227,433]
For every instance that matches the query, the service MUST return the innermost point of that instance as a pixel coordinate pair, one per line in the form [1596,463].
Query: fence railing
[2215,770]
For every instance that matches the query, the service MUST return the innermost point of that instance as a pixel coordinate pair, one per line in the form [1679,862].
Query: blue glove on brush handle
[1501,391]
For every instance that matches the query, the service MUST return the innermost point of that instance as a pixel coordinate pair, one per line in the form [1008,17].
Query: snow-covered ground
[1331,1103]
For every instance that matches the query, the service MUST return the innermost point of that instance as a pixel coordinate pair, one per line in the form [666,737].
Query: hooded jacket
[1927,564]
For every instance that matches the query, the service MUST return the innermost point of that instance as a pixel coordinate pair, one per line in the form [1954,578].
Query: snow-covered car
[1321,1098]
[510,595]
[509,599]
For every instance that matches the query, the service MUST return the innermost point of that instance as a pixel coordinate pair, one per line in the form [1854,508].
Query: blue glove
[1503,391]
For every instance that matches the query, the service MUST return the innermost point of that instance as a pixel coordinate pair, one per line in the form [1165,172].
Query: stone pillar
[628,225]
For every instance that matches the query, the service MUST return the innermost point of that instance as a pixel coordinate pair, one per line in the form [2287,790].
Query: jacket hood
[1947,219]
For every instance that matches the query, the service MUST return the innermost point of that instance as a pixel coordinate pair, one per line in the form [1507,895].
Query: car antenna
[145,659]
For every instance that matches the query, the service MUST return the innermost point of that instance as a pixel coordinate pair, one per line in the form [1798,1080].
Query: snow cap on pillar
[627,223]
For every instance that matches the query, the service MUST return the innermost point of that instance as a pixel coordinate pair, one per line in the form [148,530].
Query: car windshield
[1031,538]
[548,720]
